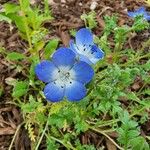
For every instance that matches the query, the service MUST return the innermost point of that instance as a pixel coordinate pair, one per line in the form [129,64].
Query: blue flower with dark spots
[140,12]
[65,76]
[84,47]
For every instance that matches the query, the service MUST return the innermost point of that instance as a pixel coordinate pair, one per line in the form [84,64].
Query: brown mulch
[67,16]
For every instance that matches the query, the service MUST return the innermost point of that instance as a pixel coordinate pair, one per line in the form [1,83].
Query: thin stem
[67,145]
[39,142]
[17,130]
[103,133]
[136,59]
[110,122]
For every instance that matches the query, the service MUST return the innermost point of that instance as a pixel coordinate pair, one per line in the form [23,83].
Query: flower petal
[132,14]
[84,37]
[72,46]
[147,17]
[141,10]
[54,91]
[85,59]
[97,54]
[75,91]
[83,72]
[64,57]
[45,70]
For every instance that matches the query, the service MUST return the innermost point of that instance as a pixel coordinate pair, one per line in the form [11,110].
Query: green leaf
[15,56]
[51,145]
[146,91]
[133,96]
[19,21]
[20,89]
[11,8]
[50,48]
[38,46]
[5,18]
[147,66]
[57,120]
[90,19]
[81,126]
[139,143]
[25,4]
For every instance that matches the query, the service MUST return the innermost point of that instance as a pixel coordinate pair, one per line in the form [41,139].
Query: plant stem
[136,59]
[39,142]
[103,133]
[17,130]
[67,145]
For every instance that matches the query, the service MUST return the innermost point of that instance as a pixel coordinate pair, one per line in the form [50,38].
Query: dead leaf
[100,22]
[7,131]
[65,38]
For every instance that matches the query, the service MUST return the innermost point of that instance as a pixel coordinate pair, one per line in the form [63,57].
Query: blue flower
[141,11]
[65,76]
[85,49]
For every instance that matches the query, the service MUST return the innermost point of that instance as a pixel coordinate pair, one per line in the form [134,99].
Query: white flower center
[63,76]
[85,50]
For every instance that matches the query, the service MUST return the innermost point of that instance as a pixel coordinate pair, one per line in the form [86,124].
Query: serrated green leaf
[139,143]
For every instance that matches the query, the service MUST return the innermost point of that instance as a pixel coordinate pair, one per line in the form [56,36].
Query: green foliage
[110,24]
[109,94]
[140,24]
[11,8]
[89,19]
[15,56]
[29,21]
[4,18]
[20,89]
[50,48]
[51,145]
[129,134]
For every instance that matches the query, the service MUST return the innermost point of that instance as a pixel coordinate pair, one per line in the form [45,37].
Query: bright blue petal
[44,71]
[84,37]
[54,92]
[64,57]
[97,54]
[72,46]
[147,17]
[141,10]
[75,91]
[83,72]
[131,14]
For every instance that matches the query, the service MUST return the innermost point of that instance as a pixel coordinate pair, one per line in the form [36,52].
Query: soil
[67,16]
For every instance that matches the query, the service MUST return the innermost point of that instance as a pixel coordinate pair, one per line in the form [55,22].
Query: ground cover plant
[75,86]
